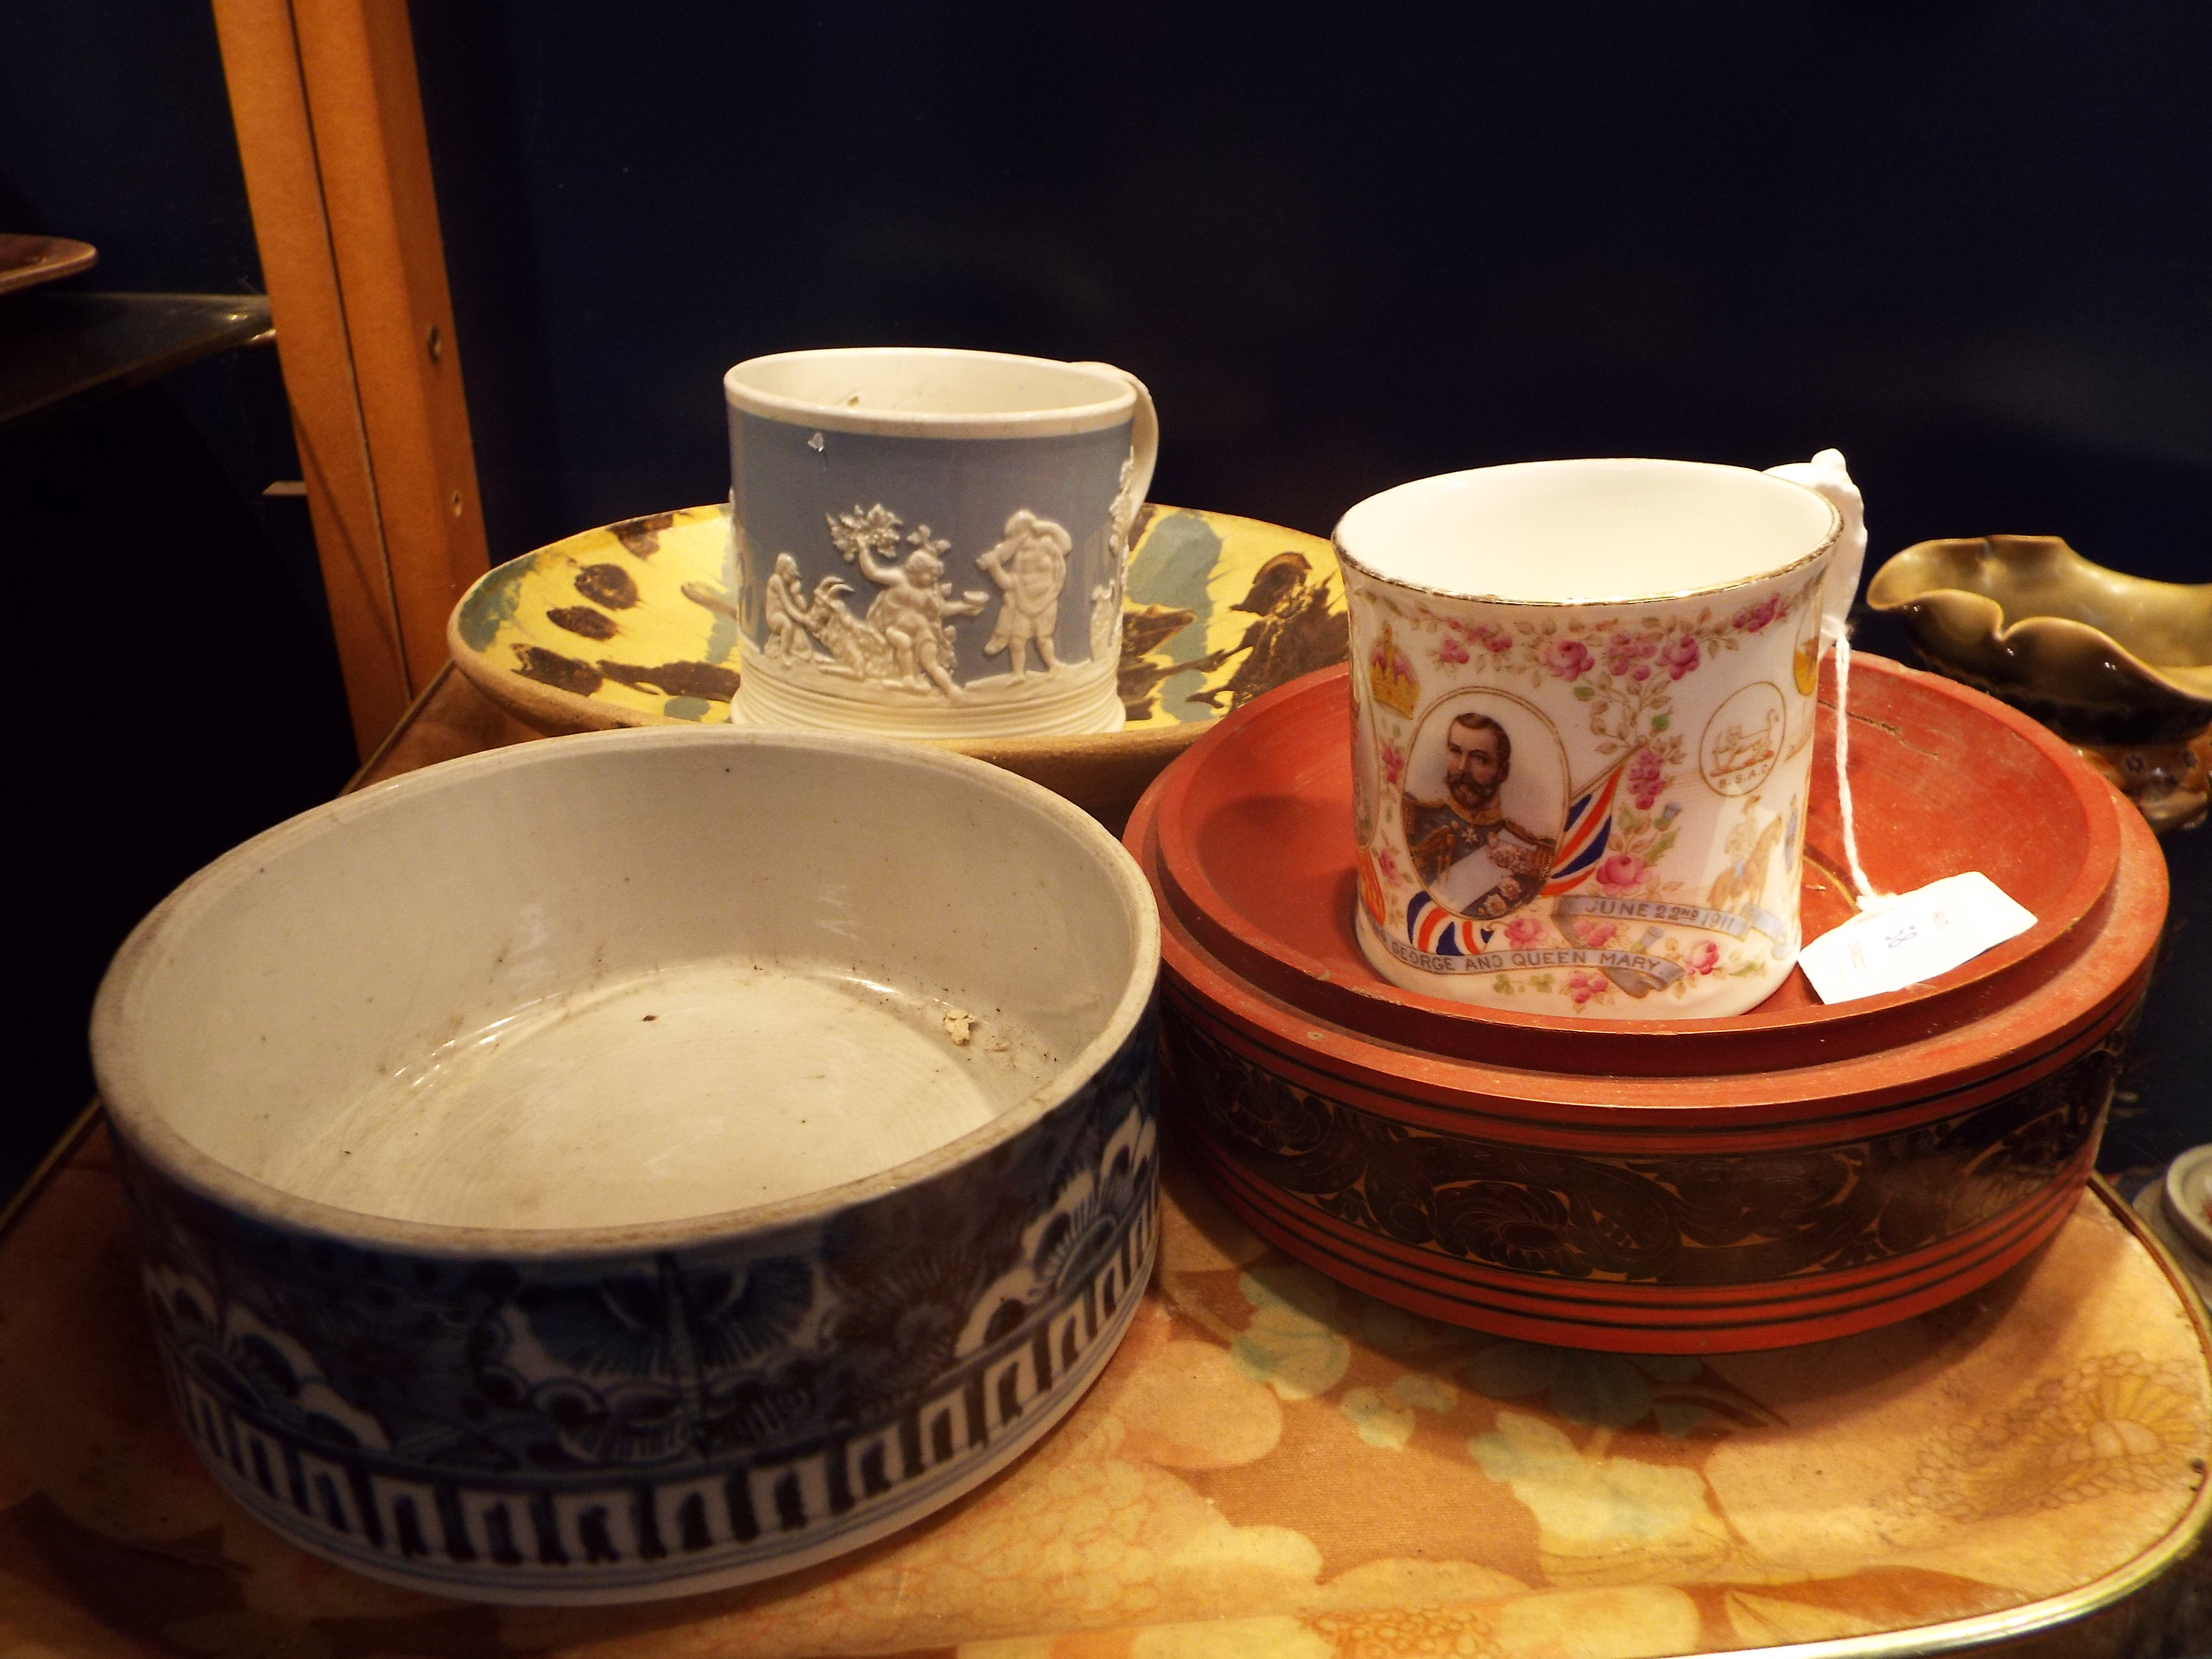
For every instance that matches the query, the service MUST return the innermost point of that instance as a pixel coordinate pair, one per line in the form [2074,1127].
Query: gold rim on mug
[1835,534]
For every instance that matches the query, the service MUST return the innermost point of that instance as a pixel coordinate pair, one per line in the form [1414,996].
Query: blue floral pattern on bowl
[584,1427]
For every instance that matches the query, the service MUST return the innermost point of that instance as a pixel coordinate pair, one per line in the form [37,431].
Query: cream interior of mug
[921,381]
[1585,531]
[612,982]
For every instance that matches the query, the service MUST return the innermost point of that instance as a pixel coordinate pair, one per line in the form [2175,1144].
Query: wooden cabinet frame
[329,116]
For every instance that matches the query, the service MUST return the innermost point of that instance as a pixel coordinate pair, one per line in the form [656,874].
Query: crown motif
[1390,676]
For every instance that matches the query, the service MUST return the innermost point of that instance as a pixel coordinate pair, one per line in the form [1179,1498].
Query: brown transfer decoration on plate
[1139,673]
[552,668]
[582,619]
[608,585]
[677,679]
[642,536]
[1300,628]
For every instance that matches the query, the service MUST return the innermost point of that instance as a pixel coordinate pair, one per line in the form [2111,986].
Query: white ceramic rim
[142,1125]
[1117,404]
[1346,555]
[1079,700]
[2174,1190]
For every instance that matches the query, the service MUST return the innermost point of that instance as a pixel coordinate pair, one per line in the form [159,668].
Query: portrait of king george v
[1484,797]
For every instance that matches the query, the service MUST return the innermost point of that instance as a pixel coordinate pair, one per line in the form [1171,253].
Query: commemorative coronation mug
[1582,727]
[931,543]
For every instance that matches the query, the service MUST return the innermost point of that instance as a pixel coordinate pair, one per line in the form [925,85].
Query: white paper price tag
[1915,937]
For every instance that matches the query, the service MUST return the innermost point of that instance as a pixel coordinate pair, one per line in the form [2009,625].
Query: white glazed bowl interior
[906,388]
[1581,531]
[616,986]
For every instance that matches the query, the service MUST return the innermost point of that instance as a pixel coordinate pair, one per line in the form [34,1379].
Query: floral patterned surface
[1271,1465]
[1616,686]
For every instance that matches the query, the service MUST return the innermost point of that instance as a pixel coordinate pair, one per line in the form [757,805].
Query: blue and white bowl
[635,1164]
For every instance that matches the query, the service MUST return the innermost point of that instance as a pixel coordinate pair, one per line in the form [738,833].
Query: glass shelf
[60,352]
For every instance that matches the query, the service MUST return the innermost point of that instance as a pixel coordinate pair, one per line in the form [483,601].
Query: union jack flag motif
[1582,843]
[1433,928]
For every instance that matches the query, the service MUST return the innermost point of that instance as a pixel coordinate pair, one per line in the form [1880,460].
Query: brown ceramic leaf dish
[2098,656]
[2119,666]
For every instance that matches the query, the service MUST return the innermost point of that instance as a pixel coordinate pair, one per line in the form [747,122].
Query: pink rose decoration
[1596,935]
[1705,956]
[1492,639]
[1524,931]
[1387,861]
[1582,986]
[1753,617]
[1645,779]
[1682,656]
[1566,658]
[1449,649]
[1394,763]
[1619,872]
[1625,655]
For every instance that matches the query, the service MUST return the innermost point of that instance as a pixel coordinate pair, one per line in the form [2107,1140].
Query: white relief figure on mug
[1106,596]
[1030,568]
[1105,621]
[1481,847]
[906,638]
[788,612]
[913,610]
[1121,516]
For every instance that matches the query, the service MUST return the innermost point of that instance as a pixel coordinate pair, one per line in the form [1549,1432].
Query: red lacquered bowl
[1785,1176]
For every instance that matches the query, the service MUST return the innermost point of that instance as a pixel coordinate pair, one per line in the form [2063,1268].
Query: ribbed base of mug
[1070,701]
[1727,997]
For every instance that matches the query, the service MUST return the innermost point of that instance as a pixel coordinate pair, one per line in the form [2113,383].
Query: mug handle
[1144,434]
[1826,475]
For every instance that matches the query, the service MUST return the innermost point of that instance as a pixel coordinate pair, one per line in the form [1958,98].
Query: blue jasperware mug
[931,543]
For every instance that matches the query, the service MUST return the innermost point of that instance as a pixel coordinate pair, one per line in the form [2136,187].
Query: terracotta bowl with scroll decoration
[1781,1177]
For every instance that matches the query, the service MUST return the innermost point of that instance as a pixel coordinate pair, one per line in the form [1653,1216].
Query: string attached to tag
[1896,939]
[1870,899]
[1826,475]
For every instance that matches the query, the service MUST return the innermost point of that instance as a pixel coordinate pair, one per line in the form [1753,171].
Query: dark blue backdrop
[176,690]
[1969,244]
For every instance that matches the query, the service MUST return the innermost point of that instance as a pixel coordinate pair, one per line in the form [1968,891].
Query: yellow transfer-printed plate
[636,624]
